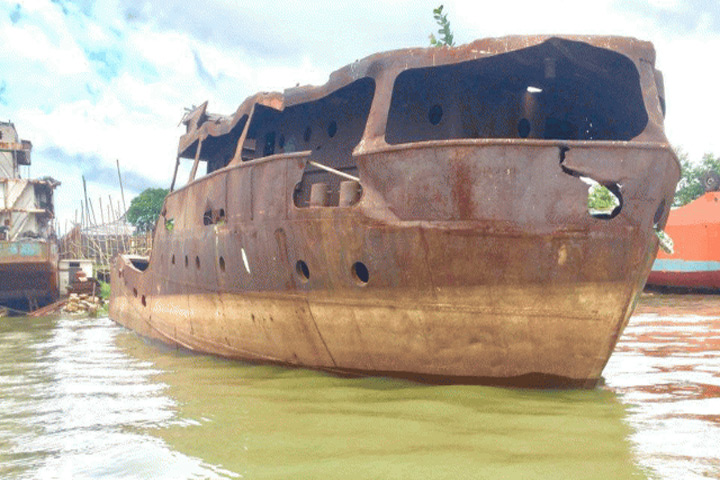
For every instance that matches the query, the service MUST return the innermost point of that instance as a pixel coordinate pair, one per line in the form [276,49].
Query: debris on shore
[83,303]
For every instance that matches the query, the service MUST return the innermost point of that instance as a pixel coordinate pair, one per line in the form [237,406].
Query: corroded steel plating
[423,214]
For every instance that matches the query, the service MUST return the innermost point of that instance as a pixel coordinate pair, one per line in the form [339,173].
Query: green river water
[82,398]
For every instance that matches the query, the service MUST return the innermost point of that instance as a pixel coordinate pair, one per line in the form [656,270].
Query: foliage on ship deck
[446,35]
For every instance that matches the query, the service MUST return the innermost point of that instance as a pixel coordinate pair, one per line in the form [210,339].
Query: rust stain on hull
[423,215]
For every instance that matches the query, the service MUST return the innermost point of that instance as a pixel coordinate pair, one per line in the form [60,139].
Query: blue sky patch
[107,62]
[16,14]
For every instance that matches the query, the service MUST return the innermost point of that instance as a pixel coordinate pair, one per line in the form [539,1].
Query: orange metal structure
[695,231]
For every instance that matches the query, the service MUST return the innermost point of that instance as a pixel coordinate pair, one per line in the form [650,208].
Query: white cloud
[127,100]
[32,43]
[690,86]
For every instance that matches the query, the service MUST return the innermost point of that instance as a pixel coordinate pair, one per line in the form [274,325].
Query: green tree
[601,199]
[692,175]
[145,208]
[446,35]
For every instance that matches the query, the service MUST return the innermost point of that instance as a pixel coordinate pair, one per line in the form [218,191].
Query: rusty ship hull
[28,252]
[28,272]
[403,250]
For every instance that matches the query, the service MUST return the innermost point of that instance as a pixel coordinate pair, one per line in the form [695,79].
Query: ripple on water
[84,398]
[74,406]
[667,368]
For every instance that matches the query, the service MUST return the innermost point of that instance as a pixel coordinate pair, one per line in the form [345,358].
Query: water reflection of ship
[28,252]
[666,365]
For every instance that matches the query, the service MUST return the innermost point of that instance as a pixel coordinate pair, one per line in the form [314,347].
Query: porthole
[221,262]
[302,270]
[332,129]
[435,114]
[360,273]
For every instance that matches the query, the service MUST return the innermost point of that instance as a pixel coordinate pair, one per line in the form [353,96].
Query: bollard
[318,195]
[349,193]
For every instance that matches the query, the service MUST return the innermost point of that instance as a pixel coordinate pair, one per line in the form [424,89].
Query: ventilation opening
[134,292]
[221,263]
[142,300]
[173,259]
[360,273]
[302,270]
[186,261]
[197,263]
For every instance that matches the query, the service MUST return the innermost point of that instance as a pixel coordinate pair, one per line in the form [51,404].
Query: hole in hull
[604,200]
[302,270]
[360,273]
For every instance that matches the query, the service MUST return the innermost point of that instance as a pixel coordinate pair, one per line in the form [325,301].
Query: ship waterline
[492,335]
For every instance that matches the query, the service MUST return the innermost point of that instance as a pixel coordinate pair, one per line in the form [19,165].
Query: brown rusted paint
[483,262]
[29,274]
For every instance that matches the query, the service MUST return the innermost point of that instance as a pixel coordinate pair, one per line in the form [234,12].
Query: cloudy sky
[92,82]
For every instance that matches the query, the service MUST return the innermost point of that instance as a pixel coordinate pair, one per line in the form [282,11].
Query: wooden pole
[102,216]
[122,191]
[92,210]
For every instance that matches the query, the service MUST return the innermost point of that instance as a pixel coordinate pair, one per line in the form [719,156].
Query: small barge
[424,214]
[28,252]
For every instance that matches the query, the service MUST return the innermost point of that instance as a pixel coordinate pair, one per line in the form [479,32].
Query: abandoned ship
[28,252]
[424,214]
